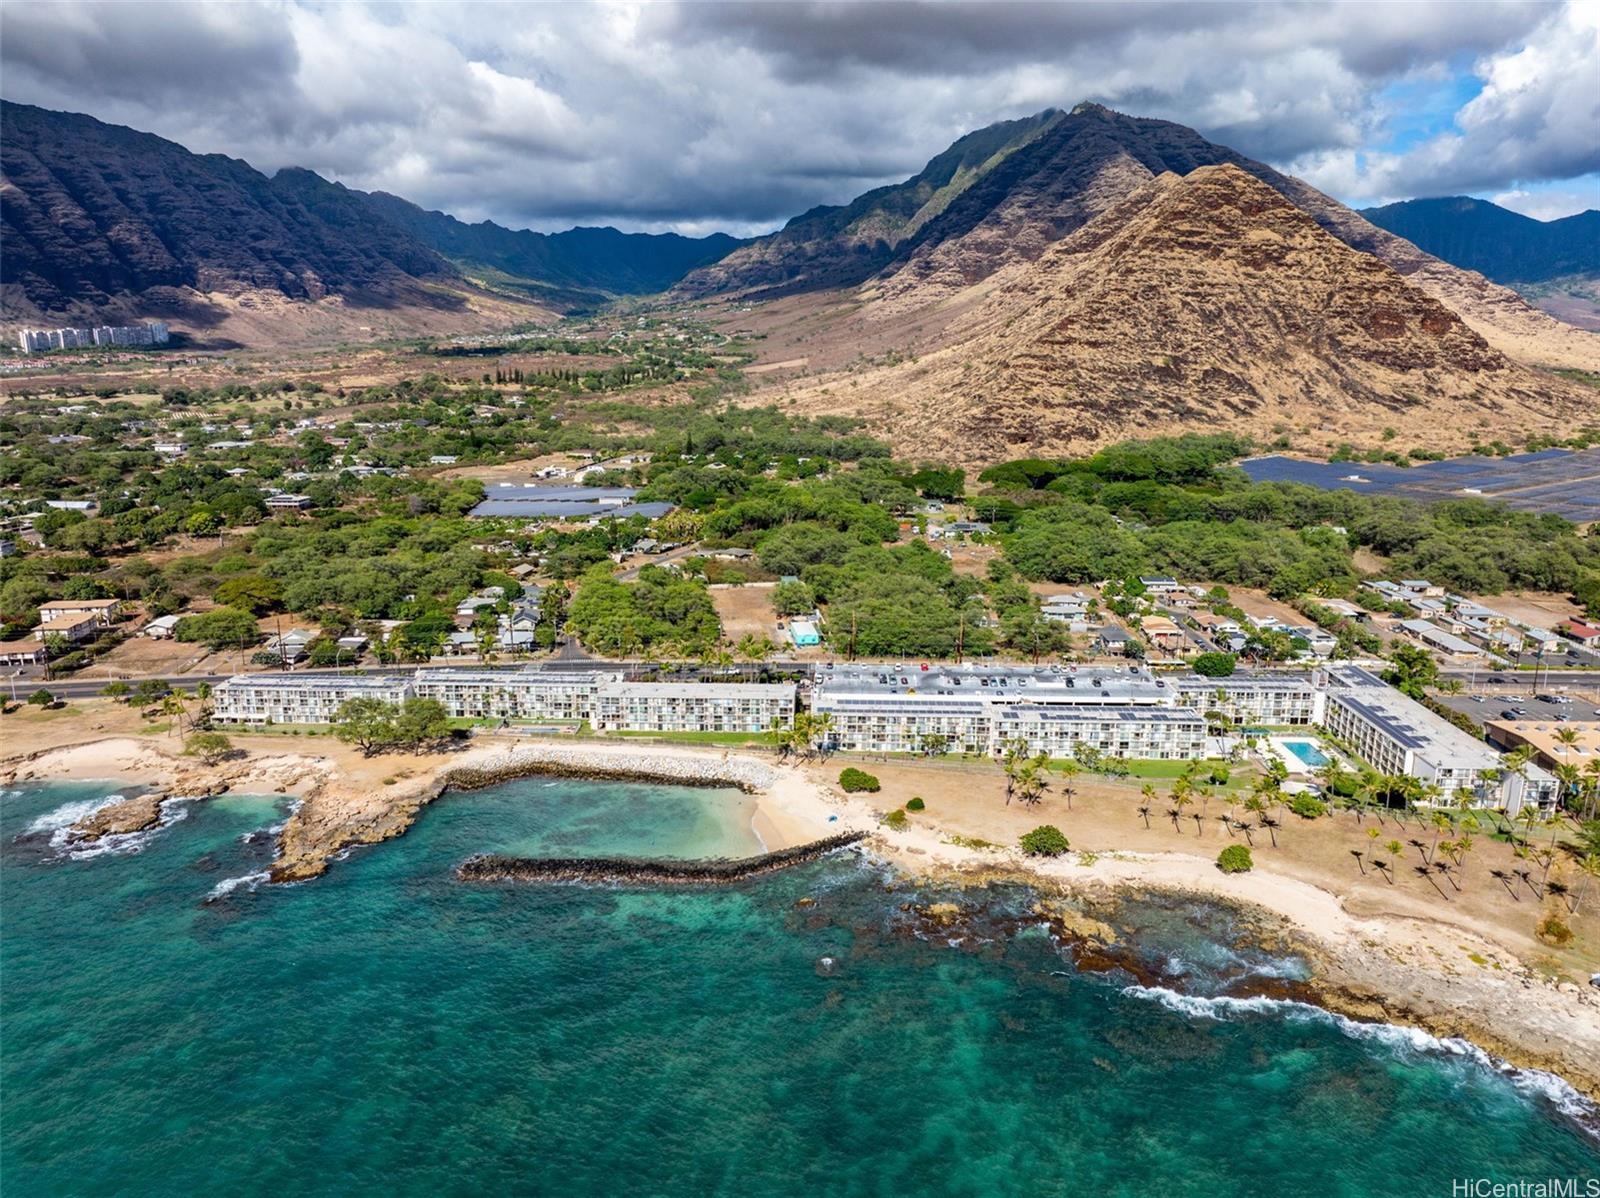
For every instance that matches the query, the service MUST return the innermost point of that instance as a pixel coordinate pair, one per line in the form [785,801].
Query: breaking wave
[59,822]
[228,885]
[1405,1042]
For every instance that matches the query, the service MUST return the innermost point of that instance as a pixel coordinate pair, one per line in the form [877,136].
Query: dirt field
[975,559]
[139,656]
[1542,609]
[1259,603]
[521,470]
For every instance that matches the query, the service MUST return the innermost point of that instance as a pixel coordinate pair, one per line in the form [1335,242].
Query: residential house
[162,628]
[104,611]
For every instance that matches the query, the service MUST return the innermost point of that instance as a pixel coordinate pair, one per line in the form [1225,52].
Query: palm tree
[1181,798]
[173,705]
[1589,865]
[1591,788]
[1069,770]
[1033,780]
[821,727]
[1441,823]
[1149,793]
[1567,774]
[1257,806]
[1014,753]
[1395,850]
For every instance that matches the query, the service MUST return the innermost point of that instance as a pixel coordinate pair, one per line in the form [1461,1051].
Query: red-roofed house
[1577,630]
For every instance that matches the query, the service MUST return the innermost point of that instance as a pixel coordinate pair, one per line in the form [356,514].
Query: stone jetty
[644,871]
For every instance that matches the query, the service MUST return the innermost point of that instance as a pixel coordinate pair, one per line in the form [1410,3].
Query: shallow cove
[385,1029]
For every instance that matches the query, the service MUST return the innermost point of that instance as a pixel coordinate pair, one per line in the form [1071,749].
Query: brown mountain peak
[1196,301]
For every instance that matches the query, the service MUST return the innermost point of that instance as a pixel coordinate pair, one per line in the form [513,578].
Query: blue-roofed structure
[574,504]
[1559,481]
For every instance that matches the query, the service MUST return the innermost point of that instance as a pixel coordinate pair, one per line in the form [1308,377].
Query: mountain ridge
[101,221]
[1498,243]
[1069,168]
[1199,301]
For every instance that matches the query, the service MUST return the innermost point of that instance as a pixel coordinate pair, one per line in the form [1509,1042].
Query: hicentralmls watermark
[1546,1187]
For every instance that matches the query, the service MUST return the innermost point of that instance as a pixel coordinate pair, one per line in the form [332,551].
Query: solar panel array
[1559,481]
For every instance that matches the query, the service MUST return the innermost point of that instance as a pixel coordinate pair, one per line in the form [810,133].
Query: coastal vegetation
[1046,840]
[1235,859]
[375,726]
[855,781]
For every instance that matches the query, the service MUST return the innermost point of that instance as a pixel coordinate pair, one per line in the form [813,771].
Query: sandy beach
[1467,965]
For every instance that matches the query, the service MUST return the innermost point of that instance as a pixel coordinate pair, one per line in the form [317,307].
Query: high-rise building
[32,340]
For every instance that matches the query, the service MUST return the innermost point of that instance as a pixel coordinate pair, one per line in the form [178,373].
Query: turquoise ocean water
[387,1030]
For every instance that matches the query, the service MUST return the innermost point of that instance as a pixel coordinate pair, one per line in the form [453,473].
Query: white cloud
[737,116]
[1536,118]
[1552,202]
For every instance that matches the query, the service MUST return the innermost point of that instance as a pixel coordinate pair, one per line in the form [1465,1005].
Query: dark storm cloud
[739,115]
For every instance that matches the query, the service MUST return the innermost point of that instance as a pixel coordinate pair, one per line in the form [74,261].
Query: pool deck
[1278,747]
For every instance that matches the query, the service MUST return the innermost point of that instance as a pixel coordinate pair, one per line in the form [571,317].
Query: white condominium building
[515,694]
[896,709]
[1395,734]
[901,723]
[694,706]
[299,698]
[1134,732]
[1253,698]
[519,694]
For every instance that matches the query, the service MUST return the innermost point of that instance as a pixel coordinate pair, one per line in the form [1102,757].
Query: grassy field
[702,738]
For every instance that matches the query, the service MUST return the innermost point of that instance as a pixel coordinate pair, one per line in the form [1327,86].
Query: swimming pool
[1306,752]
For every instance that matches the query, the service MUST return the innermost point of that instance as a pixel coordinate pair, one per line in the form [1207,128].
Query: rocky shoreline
[644,871]
[1388,969]
[1364,982]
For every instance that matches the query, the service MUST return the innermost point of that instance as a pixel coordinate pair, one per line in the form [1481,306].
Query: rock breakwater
[643,871]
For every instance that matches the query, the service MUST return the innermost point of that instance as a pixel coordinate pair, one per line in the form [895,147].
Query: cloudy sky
[701,116]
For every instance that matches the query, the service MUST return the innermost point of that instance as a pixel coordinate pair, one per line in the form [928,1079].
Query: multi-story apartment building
[870,723]
[1273,699]
[1135,732]
[521,694]
[299,698]
[1395,734]
[515,694]
[895,709]
[103,612]
[154,333]
[694,706]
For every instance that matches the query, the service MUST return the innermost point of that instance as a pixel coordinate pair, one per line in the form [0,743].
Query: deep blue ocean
[388,1030]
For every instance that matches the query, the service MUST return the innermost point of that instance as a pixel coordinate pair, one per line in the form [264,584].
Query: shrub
[1219,775]
[1046,840]
[896,819]
[1235,859]
[1307,807]
[1552,931]
[854,780]
[915,804]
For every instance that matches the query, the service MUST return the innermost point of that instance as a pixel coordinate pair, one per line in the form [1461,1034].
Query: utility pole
[961,635]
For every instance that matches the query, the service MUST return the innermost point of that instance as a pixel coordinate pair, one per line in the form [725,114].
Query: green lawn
[702,738]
